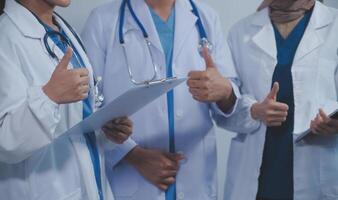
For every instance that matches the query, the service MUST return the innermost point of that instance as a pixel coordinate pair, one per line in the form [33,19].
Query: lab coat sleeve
[28,118]
[240,121]
[95,38]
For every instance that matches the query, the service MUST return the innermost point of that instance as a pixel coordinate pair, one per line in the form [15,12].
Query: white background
[230,12]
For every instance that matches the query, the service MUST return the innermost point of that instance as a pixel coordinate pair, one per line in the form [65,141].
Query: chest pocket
[325,82]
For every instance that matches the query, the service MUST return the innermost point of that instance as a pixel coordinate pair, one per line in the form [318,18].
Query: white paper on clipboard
[125,105]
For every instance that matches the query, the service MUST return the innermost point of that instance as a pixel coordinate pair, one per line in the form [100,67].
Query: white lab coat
[33,164]
[315,83]
[194,129]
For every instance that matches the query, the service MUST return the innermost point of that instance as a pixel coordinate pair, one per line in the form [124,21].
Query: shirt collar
[24,20]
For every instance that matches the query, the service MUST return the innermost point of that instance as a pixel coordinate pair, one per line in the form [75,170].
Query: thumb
[64,62]
[207,58]
[274,91]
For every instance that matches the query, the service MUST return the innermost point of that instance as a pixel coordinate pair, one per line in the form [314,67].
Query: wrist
[254,111]
[48,92]
[228,102]
[132,157]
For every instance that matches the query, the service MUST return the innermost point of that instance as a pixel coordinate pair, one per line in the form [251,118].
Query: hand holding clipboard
[323,124]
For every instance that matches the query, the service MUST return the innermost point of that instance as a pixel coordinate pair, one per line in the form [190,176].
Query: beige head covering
[283,11]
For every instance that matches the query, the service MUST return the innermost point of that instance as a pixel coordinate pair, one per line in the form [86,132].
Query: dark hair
[2,6]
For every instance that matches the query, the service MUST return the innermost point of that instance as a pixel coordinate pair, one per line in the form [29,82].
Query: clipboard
[333,115]
[125,105]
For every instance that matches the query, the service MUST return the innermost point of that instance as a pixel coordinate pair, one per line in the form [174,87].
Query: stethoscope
[98,95]
[204,42]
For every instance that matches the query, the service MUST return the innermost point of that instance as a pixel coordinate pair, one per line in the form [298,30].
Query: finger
[274,91]
[169,164]
[117,133]
[123,121]
[108,133]
[168,173]
[319,119]
[64,62]
[333,123]
[163,187]
[119,128]
[124,129]
[84,80]
[198,84]
[168,181]
[175,156]
[207,58]
[322,114]
[114,136]
[274,124]
[83,72]
[277,119]
[84,89]
[198,92]
[279,106]
[326,128]
[314,127]
[322,131]
[200,98]
[277,114]
[198,75]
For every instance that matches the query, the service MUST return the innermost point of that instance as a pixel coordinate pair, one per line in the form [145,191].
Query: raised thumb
[274,91]
[64,62]
[209,62]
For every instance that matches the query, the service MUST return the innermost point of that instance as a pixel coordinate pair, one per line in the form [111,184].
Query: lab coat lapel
[24,20]
[142,12]
[185,23]
[312,39]
[265,37]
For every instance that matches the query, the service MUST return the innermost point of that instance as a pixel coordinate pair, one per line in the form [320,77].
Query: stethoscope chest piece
[204,43]
[99,98]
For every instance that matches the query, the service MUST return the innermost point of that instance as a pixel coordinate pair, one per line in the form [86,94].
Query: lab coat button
[179,114]
[180,196]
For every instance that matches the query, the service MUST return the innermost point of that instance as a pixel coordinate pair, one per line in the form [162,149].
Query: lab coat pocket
[330,193]
[329,171]
[326,85]
[76,195]
[124,180]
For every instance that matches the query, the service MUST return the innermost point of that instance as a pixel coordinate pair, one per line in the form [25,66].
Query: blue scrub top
[276,178]
[78,63]
[166,32]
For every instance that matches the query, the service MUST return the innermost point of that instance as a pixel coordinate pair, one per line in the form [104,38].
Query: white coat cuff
[228,114]
[121,150]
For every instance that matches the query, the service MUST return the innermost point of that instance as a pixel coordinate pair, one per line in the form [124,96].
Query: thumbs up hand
[67,85]
[209,85]
[270,112]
